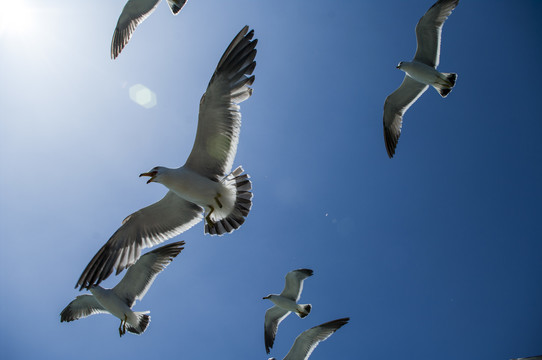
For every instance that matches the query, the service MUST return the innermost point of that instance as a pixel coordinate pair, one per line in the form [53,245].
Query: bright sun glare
[16,17]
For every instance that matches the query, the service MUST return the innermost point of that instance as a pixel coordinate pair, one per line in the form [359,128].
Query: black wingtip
[307,272]
[336,324]
[390,141]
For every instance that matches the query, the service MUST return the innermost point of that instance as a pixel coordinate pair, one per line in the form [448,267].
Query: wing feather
[219,121]
[141,275]
[294,283]
[273,317]
[147,227]
[429,30]
[133,14]
[81,307]
[307,341]
[397,103]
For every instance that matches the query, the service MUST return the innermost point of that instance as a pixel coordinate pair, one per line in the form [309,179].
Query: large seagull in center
[205,183]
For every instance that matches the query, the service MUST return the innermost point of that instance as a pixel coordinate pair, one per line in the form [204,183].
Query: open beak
[152,174]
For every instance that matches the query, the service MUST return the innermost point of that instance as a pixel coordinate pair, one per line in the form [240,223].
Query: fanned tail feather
[451,77]
[306,310]
[143,322]
[176,5]
[241,208]
[449,82]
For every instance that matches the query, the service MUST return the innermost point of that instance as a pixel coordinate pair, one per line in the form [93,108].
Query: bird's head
[155,174]
[399,65]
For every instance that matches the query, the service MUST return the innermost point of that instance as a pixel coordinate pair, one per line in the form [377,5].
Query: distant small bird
[119,300]
[285,303]
[420,72]
[204,184]
[133,14]
[308,340]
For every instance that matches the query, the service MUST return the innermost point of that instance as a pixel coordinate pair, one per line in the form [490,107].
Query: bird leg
[218,201]
[122,327]
[208,217]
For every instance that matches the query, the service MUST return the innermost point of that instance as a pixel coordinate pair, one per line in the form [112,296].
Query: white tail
[303,310]
[241,207]
[143,322]
[448,82]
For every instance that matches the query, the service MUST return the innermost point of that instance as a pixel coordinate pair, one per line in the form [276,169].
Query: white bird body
[288,304]
[423,73]
[200,190]
[115,305]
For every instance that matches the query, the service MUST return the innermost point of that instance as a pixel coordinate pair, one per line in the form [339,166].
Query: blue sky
[435,253]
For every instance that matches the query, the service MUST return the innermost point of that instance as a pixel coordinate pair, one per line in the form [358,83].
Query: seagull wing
[133,14]
[176,5]
[294,283]
[397,103]
[145,228]
[141,275]
[219,117]
[307,341]
[429,29]
[273,317]
[82,306]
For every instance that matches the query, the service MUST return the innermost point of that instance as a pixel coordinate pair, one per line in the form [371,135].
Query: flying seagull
[285,303]
[119,300]
[308,340]
[133,14]
[204,183]
[420,72]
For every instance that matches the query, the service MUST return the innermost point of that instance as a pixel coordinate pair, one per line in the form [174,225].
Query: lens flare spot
[143,96]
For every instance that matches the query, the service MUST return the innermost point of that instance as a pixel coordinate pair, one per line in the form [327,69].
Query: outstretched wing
[397,103]
[82,306]
[294,283]
[145,228]
[141,275]
[273,317]
[307,341]
[133,14]
[429,30]
[219,121]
